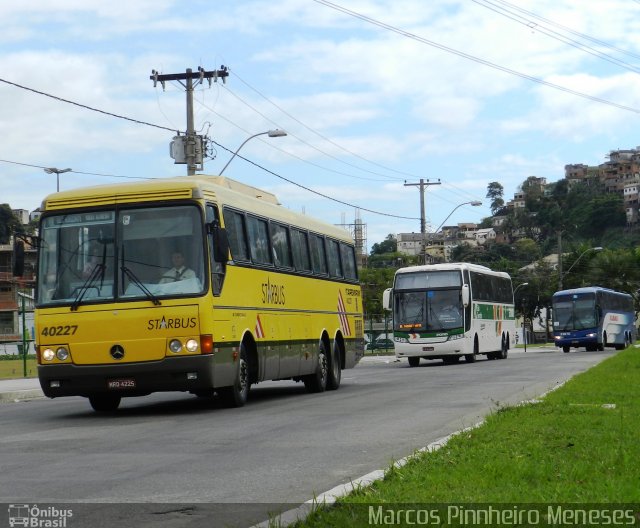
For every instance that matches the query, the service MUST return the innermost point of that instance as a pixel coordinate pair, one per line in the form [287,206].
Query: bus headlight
[175,346]
[191,345]
[48,354]
[62,354]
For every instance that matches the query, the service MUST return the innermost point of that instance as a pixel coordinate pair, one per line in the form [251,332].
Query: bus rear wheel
[471,358]
[414,361]
[566,349]
[104,402]
[238,393]
[317,382]
[335,370]
[504,349]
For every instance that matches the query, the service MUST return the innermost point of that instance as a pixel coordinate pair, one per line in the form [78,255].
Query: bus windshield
[124,254]
[430,310]
[574,312]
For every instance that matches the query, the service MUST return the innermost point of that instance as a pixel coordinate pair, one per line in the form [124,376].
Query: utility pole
[189,148]
[423,221]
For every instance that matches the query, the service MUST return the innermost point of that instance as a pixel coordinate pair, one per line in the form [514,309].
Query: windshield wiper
[98,271]
[132,277]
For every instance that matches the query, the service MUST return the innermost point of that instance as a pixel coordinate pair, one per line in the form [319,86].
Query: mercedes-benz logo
[117,352]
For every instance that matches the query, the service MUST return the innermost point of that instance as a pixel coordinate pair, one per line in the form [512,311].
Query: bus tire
[238,393]
[317,382]
[414,361]
[335,368]
[104,402]
[471,358]
[504,349]
[566,349]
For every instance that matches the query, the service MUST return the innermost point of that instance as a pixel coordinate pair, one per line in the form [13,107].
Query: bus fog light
[48,354]
[62,354]
[191,345]
[192,375]
[54,384]
[175,346]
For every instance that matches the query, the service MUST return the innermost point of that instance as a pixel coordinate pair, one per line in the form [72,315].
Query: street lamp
[57,172]
[270,133]
[474,203]
[524,319]
[562,275]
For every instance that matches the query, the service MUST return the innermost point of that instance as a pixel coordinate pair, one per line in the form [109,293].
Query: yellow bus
[196,283]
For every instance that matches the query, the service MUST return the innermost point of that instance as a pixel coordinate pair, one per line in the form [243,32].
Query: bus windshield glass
[574,312]
[430,310]
[125,254]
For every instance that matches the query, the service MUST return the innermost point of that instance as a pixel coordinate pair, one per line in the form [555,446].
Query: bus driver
[179,271]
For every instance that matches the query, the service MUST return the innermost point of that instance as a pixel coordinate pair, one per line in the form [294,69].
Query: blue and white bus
[594,318]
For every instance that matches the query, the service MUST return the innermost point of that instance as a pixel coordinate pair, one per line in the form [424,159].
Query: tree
[9,224]
[495,192]
[390,245]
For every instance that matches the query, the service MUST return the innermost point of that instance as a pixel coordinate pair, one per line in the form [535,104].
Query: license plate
[427,349]
[125,383]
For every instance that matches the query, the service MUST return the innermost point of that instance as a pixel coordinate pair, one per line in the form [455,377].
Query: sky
[373,95]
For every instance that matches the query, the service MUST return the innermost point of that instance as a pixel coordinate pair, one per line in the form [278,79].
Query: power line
[474,58]
[85,106]
[312,190]
[80,172]
[554,34]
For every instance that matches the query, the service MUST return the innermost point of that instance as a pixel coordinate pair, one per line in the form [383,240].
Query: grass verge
[14,368]
[576,446]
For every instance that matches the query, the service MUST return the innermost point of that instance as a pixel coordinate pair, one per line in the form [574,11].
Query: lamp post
[562,275]
[270,133]
[474,203]
[524,328]
[57,172]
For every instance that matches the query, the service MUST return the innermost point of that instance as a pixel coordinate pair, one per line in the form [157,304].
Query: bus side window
[218,265]
[333,254]
[281,245]
[318,255]
[300,246]
[348,261]
[259,240]
[235,225]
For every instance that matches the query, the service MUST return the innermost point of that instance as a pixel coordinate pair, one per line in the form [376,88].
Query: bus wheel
[414,361]
[335,372]
[104,402]
[504,350]
[238,393]
[471,358]
[317,382]
[566,349]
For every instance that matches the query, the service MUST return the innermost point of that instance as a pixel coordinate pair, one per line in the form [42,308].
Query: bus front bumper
[188,373]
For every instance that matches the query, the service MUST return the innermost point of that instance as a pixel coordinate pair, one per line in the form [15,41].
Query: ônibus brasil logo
[38,517]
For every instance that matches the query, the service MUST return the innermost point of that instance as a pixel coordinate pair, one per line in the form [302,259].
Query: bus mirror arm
[465,295]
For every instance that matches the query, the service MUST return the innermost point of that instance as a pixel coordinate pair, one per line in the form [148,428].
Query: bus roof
[452,266]
[588,289]
[218,189]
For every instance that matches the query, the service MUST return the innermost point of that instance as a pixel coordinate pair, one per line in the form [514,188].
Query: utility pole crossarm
[192,144]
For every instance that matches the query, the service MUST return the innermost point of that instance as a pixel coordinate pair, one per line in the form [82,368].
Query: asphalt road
[176,460]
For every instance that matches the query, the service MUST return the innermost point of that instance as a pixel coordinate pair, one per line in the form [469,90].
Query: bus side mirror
[220,243]
[465,295]
[386,299]
[17,258]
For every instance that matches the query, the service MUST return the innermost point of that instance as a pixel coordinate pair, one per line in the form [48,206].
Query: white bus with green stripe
[449,311]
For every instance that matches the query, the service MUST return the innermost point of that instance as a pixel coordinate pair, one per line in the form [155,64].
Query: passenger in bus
[179,271]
